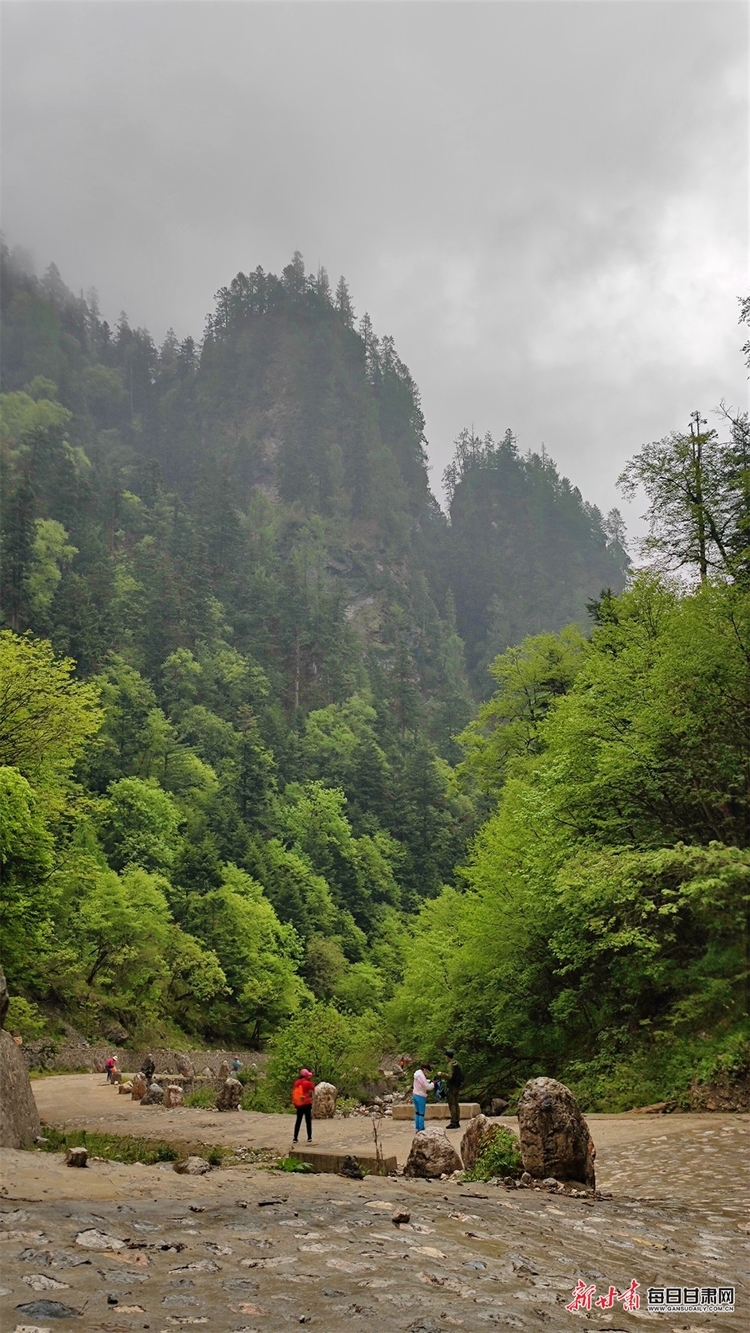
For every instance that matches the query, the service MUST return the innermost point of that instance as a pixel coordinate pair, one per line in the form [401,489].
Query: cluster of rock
[557,1150]
[172,1095]
[381,1105]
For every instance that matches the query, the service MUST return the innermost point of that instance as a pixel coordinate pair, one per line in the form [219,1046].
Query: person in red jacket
[302,1097]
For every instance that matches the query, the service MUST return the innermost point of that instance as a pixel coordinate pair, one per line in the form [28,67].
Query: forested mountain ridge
[229,592]
[287,401]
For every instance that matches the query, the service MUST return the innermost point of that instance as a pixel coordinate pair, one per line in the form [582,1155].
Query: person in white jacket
[420,1088]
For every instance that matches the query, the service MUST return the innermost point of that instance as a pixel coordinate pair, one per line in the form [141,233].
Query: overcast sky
[544,203]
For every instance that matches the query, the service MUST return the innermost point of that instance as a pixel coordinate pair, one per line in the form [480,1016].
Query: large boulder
[184,1065]
[555,1139]
[19,1118]
[479,1134]
[324,1101]
[4,998]
[174,1096]
[140,1087]
[230,1096]
[224,1070]
[431,1155]
[153,1096]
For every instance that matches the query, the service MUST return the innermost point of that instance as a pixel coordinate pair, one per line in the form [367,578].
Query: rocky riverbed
[246,1248]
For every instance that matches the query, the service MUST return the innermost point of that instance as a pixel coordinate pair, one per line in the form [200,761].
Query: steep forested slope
[237,547]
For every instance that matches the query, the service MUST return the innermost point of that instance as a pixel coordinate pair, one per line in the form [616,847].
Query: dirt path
[632,1152]
[249,1250]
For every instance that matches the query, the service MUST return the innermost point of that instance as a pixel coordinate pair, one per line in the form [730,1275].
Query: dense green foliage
[499,1156]
[524,547]
[604,914]
[247,743]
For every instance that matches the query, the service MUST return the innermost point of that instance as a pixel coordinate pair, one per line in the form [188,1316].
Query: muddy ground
[245,1248]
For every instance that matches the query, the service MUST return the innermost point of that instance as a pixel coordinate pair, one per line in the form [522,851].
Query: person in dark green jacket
[454,1077]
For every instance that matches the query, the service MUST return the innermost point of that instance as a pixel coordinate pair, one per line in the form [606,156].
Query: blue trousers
[420,1105]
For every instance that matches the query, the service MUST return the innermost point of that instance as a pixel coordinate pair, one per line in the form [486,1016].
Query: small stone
[154,1096]
[40,1282]
[525,1178]
[549,1184]
[401,1217]
[192,1166]
[230,1096]
[497,1106]
[76,1156]
[139,1087]
[174,1096]
[48,1310]
[112,1300]
[93,1239]
[40,1141]
[125,1089]
[431,1155]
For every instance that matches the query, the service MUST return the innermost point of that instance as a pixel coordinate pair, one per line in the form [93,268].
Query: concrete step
[436,1111]
[332,1160]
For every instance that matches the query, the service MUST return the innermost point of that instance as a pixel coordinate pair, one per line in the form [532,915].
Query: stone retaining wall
[79,1055]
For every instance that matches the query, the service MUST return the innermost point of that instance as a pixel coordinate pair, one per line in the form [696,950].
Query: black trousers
[306,1113]
[453,1105]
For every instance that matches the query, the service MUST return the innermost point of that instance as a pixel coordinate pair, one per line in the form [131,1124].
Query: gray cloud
[545,203]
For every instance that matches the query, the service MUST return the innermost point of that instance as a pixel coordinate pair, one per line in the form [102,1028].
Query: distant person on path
[148,1068]
[302,1098]
[454,1076]
[236,1065]
[419,1090]
[110,1066]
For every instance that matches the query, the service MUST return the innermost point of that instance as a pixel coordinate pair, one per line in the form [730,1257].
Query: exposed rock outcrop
[19,1118]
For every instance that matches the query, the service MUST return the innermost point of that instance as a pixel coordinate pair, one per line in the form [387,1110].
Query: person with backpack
[302,1099]
[454,1077]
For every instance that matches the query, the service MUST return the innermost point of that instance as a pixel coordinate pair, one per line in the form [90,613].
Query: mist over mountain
[292,417]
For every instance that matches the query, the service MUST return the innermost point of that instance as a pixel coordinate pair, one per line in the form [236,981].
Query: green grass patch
[293,1164]
[205,1097]
[500,1156]
[123,1148]
[53,1073]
